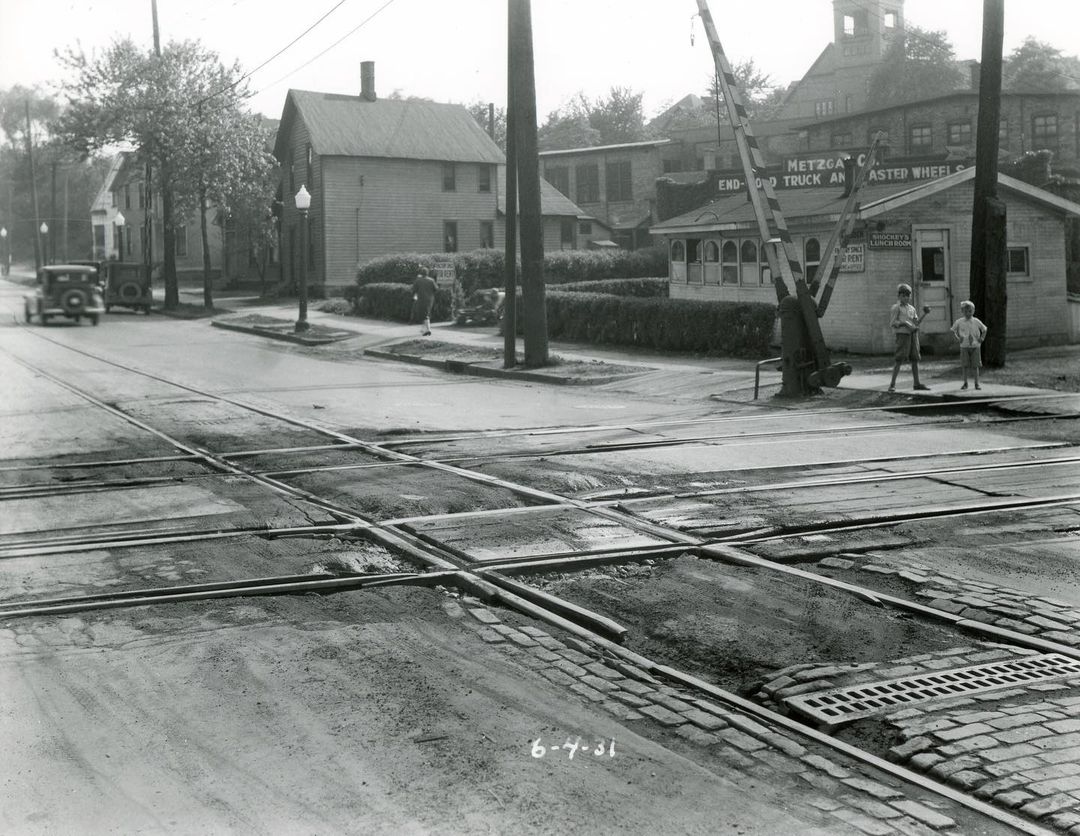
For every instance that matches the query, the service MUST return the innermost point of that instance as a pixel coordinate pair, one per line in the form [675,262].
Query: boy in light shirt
[970,332]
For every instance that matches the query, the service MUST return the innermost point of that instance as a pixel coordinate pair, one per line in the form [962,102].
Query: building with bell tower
[838,81]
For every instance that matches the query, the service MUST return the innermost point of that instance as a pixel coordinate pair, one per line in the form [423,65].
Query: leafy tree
[918,64]
[66,186]
[761,95]
[605,121]
[479,112]
[180,111]
[1035,66]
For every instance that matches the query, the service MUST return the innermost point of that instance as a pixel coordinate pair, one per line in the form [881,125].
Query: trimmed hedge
[393,301]
[485,268]
[645,288]
[738,329]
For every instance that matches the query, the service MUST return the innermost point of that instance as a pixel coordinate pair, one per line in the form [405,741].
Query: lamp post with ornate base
[303,203]
[44,242]
[5,264]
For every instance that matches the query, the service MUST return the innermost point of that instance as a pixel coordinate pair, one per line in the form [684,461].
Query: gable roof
[552,201]
[734,211]
[351,126]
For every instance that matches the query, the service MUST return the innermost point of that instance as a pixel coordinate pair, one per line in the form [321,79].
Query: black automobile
[68,290]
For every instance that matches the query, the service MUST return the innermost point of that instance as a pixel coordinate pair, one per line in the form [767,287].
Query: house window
[449,177]
[812,252]
[180,236]
[678,252]
[142,195]
[129,245]
[671,165]
[922,137]
[127,196]
[889,20]
[959,133]
[825,107]
[841,140]
[483,178]
[559,177]
[749,257]
[849,104]
[1044,131]
[310,168]
[584,228]
[1019,265]
[1003,133]
[310,243]
[449,235]
[487,235]
[587,179]
[618,181]
[729,263]
[566,233]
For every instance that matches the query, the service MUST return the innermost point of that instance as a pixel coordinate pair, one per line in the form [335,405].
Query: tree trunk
[207,287]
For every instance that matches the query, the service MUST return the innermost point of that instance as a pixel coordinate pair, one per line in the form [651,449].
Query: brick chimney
[367,81]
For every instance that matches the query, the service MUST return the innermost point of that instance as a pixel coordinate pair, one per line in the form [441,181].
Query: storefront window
[812,252]
[749,257]
[729,263]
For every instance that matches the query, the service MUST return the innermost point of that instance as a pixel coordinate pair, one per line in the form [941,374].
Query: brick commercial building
[917,234]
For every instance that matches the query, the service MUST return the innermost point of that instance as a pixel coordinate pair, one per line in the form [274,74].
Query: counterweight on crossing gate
[806,365]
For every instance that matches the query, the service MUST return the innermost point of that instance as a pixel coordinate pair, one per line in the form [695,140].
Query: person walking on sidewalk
[904,321]
[423,291]
[970,331]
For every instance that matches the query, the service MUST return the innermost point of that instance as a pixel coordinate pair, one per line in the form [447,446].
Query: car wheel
[74,301]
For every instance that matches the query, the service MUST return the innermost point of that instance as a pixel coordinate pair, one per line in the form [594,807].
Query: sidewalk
[479,351]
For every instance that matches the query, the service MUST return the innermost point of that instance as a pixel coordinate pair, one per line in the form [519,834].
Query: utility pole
[51,255]
[172,291]
[510,244]
[67,209]
[988,239]
[33,192]
[528,170]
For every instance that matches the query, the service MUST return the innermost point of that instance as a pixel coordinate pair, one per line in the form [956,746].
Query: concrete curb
[301,339]
[480,368]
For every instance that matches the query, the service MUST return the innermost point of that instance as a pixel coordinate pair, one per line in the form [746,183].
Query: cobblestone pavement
[827,788]
[1016,747]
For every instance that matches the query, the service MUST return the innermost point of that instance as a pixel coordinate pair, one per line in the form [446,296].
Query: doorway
[933,278]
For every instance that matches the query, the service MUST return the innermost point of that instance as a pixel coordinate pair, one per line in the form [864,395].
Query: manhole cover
[841,705]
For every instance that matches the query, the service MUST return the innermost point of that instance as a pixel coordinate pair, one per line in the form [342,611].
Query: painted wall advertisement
[808,172]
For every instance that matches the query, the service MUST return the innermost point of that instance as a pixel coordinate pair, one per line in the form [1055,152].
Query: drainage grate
[841,705]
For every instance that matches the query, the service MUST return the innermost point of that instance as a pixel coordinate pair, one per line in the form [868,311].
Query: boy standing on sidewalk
[904,321]
[970,331]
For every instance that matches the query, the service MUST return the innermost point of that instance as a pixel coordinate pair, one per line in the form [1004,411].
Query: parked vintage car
[483,307]
[68,290]
[125,284]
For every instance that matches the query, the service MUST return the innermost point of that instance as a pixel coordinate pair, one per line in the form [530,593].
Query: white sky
[455,50]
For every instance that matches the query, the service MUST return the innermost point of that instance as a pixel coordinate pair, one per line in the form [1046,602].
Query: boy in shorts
[904,321]
[970,332]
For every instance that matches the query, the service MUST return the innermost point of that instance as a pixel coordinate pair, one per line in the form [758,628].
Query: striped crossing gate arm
[830,267]
[784,265]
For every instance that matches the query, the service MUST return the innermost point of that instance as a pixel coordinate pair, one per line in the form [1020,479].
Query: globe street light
[45,242]
[303,203]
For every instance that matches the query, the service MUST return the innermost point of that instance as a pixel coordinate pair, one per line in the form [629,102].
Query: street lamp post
[5,265]
[44,242]
[303,203]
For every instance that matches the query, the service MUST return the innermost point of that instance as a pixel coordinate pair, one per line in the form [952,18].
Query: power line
[334,44]
[291,43]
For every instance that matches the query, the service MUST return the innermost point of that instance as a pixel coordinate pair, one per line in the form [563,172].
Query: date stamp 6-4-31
[601,747]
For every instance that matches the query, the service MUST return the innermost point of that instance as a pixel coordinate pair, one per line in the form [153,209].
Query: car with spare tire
[72,291]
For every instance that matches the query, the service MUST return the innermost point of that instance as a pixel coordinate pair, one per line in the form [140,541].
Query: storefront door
[932,278]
